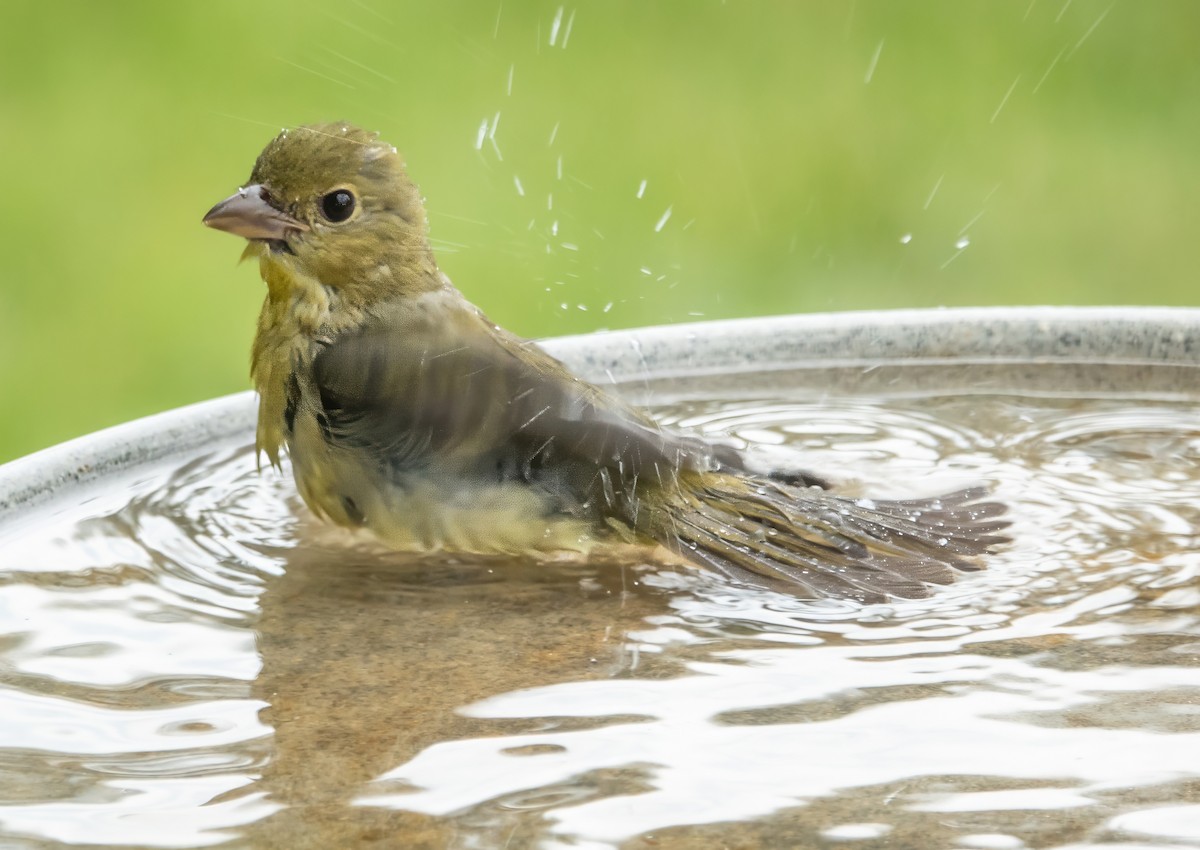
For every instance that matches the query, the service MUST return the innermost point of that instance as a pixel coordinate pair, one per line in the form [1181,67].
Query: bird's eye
[338,205]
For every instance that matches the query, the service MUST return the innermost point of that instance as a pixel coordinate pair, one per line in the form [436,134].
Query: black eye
[338,204]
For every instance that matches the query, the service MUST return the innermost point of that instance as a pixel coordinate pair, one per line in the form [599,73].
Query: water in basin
[190,660]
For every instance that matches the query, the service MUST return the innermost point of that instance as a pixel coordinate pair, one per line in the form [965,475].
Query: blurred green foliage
[799,156]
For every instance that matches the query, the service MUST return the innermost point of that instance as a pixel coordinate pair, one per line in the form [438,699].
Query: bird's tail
[768,533]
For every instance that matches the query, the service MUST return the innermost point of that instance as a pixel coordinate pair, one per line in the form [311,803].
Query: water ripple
[200,662]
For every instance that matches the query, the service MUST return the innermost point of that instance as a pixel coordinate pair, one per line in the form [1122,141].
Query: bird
[404,410]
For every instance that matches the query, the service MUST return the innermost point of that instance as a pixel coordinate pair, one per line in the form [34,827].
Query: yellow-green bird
[406,411]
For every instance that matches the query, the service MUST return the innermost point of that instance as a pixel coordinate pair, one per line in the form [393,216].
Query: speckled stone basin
[1092,350]
[190,660]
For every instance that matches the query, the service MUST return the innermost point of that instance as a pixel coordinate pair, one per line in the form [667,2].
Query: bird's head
[332,203]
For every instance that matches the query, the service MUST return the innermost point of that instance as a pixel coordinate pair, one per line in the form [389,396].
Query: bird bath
[190,660]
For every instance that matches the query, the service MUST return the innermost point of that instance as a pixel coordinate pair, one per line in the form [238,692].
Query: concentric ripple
[195,661]
[127,679]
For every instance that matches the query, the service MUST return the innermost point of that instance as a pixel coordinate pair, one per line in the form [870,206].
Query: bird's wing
[452,388]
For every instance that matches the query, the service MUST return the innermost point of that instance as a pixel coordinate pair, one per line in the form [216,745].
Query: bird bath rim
[1137,338]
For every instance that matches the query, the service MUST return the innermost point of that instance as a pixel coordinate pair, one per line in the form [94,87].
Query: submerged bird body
[404,410]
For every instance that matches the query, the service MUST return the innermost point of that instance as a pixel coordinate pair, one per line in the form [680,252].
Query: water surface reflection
[204,665]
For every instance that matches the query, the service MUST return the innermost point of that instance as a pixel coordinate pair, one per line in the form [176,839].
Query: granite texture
[1072,350]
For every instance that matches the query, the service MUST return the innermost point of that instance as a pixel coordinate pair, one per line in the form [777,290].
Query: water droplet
[662,221]
[874,61]
[567,32]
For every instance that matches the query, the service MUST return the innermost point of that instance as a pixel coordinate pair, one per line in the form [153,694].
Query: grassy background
[812,155]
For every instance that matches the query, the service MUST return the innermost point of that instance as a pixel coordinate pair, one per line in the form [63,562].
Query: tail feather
[750,560]
[766,532]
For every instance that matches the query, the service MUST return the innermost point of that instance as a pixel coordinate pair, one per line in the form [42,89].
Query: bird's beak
[250,214]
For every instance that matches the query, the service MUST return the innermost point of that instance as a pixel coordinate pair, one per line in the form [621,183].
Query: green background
[796,145]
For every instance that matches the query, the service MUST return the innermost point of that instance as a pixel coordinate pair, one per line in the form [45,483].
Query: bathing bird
[405,411]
